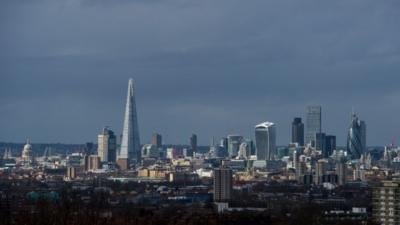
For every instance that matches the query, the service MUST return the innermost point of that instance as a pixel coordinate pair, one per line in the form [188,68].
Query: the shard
[130,143]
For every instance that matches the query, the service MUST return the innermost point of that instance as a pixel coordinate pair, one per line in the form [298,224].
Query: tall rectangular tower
[298,131]
[222,184]
[107,146]
[156,140]
[130,143]
[193,143]
[313,125]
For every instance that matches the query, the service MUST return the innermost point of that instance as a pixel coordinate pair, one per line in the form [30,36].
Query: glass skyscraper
[130,143]
[313,125]
[356,138]
[265,141]
[298,131]
[330,145]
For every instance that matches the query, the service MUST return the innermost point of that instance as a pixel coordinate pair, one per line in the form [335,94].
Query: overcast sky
[210,67]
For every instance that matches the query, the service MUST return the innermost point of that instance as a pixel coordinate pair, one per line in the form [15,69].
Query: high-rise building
[386,202]
[193,143]
[320,139]
[234,142]
[330,145]
[88,148]
[156,140]
[356,138]
[298,131]
[130,143]
[223,147]
[265,134]
[222,184]
[107,145]
[341,172]
[313,123]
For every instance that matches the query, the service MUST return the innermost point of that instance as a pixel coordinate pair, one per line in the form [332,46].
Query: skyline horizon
[353,112]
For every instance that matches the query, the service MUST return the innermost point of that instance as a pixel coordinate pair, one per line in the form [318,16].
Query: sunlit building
[265,134]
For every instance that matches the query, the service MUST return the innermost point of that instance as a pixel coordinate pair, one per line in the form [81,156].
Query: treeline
[98,212]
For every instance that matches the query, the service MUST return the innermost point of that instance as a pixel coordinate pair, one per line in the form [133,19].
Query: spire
[130,143]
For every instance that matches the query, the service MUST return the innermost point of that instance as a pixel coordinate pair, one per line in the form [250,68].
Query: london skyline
[64,68]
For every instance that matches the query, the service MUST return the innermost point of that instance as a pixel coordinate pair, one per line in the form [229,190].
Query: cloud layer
[206,67]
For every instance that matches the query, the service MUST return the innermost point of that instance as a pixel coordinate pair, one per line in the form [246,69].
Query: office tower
[71,173]
[330,145]
[107,145]
[320,169]
[193,143]
[250,147]
[88,148]
[150,151]
[222,184]
[265,134]
[130,143]
[156,140]
[386,202]
[313,123]
[356,138]
[298,131]
[223,147]
[320,141]
[341,172]
[224,142]
[234,142]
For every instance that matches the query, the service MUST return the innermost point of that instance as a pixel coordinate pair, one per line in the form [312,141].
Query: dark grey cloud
[209,67]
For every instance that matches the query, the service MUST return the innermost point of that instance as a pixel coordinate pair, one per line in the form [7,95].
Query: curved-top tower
[356,138]
[265,141]
[130,143]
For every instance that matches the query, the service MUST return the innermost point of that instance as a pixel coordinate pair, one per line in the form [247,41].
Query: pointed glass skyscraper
[130,143]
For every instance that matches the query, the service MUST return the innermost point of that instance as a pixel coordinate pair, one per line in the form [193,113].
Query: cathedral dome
[27,155]
[28,147]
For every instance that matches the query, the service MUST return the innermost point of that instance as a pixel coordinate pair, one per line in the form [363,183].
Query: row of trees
[71,211]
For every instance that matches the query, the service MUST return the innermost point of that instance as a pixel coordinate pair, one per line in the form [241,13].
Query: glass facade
[265,134]
[313,123]
[130,144]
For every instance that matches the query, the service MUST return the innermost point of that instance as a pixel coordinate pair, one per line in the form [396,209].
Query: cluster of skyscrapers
[233,146]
